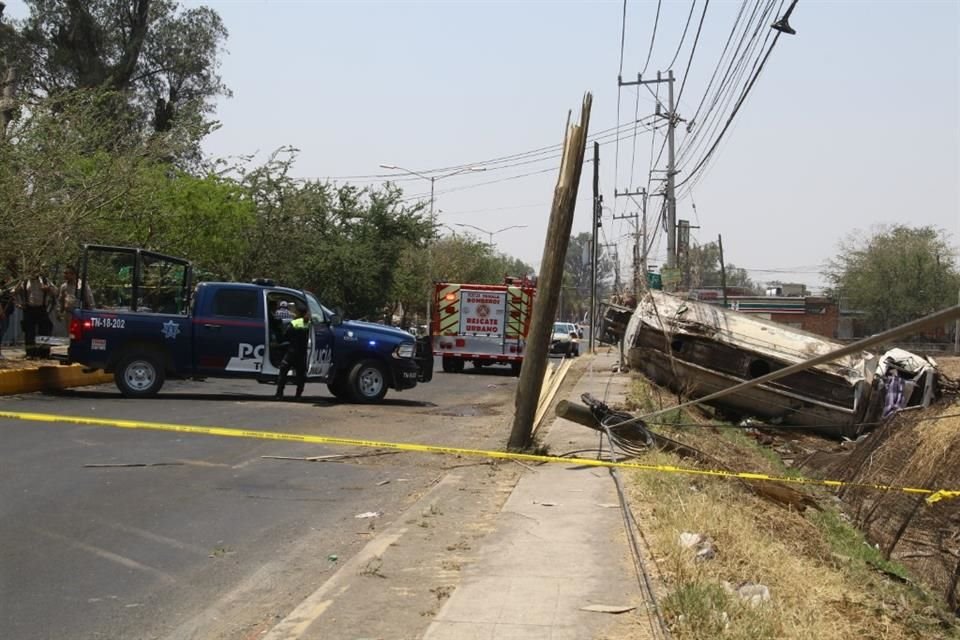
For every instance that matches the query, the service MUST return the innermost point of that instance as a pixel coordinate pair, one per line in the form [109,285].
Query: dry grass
[825,581]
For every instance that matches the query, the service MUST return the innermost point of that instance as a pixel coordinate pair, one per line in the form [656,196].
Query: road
[215,541]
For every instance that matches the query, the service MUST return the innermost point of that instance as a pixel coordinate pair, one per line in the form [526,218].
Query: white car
[565,339]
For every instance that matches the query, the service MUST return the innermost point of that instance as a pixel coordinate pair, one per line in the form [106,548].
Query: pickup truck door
[320,358]
[230,331]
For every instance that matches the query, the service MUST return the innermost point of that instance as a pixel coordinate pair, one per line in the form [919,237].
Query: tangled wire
[627,433]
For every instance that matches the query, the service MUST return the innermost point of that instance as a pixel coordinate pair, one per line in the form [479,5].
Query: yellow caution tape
[933,495]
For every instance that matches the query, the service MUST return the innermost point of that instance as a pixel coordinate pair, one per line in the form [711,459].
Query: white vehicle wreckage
[700,349]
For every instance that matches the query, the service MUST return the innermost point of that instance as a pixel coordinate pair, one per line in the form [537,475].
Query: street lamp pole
[433,222]
[490,234]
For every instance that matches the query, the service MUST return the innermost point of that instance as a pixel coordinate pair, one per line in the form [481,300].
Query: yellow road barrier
[933,495]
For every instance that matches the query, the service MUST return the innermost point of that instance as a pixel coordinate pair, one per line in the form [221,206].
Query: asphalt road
[217,541]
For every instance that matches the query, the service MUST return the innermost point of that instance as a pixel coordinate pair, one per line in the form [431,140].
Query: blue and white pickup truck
[149,323]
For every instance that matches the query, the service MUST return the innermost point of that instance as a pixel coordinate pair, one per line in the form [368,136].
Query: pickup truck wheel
[367,381]
[139,375]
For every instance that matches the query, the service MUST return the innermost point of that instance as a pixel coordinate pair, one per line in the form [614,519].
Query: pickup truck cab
[149,323]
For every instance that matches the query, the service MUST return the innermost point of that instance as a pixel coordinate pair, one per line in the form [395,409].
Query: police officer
[297,334]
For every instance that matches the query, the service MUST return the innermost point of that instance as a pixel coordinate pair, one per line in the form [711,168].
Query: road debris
[705,549]
[111,465]
[607,608]
[334,457]
[751,593]
[383,482]
[369,514]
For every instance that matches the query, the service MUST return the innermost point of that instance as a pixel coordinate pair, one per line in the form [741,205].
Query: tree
[156,58]
[11,62]
[342,242]
[896,274]
[60,186]
[577,271]
[705,269]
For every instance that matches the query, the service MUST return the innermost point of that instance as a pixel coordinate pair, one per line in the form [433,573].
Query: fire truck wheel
[515,367]
[367,381]
[139,374]
[452,365]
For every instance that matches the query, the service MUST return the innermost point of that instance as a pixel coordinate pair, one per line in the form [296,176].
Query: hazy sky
[854,122]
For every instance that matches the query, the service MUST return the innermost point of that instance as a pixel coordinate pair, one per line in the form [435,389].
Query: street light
[433,179]
[491,233]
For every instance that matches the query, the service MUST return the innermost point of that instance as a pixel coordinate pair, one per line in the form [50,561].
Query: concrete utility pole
[672,121]
[594,254]
[723,271]
[551,278]
[671,171]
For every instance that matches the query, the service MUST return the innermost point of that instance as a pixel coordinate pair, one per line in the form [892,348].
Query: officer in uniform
[297,334]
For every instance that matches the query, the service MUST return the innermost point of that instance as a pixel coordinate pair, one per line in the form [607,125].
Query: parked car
[565,339]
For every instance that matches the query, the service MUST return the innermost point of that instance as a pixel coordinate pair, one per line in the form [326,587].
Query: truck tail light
[77,327]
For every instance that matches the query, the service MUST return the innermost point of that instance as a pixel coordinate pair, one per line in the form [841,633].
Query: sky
[853,123]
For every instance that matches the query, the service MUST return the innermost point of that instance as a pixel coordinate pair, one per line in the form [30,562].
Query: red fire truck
[482,323]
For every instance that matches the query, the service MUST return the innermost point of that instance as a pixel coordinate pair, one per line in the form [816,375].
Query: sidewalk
[558,545]
[20,375]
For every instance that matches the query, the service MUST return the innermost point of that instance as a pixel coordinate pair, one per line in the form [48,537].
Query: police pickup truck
[149,322]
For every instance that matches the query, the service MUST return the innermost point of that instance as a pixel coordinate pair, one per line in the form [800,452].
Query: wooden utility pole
[550,279]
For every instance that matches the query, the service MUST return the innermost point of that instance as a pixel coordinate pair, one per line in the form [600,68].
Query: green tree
[342,242]
[157,58]
[705,269]
[895,274]
[575,298]
[60,186]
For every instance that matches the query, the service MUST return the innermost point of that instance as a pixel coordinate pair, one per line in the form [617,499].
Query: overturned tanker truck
[697,349]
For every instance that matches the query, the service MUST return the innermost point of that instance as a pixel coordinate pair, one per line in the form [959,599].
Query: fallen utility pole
[550,278]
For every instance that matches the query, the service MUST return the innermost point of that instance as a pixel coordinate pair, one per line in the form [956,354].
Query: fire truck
[482,323]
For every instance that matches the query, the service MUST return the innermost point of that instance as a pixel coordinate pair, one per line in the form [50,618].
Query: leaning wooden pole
[549,280]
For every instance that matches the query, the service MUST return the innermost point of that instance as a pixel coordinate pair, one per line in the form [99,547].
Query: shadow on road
[314,400]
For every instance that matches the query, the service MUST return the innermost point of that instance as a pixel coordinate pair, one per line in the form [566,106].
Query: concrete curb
[48,378]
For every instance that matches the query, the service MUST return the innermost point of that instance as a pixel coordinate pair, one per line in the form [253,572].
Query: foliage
[575,298]
[896,274]
[68,176]
[705,269]
[453,258]
[157,58]
[342,242]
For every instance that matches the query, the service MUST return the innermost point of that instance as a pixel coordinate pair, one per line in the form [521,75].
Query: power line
[683,37]
[723,54]
[693,50]
[504,179]
[736,109]
[653,37]
[730,81]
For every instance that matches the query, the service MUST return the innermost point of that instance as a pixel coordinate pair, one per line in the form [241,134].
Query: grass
[826,582]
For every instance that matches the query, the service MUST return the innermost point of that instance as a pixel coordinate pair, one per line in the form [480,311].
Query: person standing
[7,308]
[35,296]
[69,296]
[298,337]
